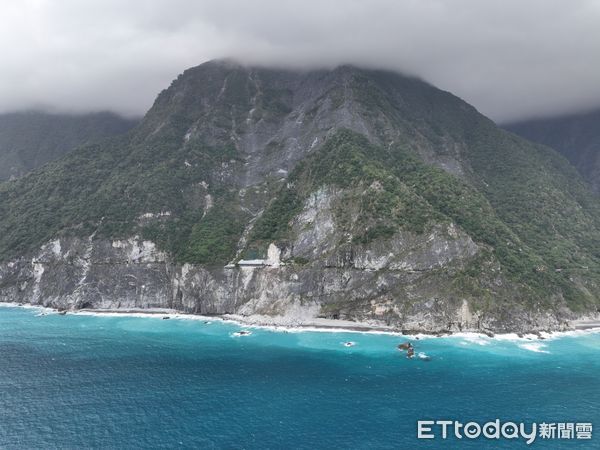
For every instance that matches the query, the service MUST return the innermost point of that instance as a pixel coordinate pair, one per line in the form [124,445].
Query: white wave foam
[241,333]
[471,338]
[152,315]
[27,306]
[537,347]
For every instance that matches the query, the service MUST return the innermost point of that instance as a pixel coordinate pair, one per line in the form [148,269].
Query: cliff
[352,194]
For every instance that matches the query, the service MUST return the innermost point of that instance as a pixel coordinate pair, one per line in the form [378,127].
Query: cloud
[510,58]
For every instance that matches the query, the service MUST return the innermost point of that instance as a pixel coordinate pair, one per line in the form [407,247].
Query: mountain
[346,194]
[29,140]
[575,136]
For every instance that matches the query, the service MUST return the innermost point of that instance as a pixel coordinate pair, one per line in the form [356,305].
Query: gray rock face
[275,118]
[397,282]
[229,139]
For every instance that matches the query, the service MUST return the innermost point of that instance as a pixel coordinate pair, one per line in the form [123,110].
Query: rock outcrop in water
[346,194]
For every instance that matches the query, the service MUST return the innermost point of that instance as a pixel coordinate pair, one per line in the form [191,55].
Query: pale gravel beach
[287,324]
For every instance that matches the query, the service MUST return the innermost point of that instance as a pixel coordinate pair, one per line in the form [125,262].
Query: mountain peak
[363,194]
[223,99]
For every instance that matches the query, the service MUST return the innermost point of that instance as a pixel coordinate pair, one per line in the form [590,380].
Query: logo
[444,429]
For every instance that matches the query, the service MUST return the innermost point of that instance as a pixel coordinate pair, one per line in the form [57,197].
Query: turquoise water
[126,382]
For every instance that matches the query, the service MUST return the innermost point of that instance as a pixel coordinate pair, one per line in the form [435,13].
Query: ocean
[84,381]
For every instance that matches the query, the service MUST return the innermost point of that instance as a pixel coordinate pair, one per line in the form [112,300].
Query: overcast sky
[509,58]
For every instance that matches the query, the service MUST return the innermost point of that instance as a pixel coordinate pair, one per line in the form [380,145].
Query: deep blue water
[126,382]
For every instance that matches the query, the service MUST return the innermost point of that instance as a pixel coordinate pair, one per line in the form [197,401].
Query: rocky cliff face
[349,194]
[405,283]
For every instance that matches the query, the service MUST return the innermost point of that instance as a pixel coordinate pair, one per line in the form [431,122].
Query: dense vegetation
[105,189]
[575,136]
[31,139]
[177,179]
[527,221]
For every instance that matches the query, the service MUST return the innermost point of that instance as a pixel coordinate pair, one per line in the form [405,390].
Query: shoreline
[281,324]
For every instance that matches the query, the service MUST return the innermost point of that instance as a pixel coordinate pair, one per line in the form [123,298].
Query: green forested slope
[522,203]
[30,139]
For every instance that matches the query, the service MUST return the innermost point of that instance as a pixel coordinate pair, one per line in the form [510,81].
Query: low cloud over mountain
[512,59]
